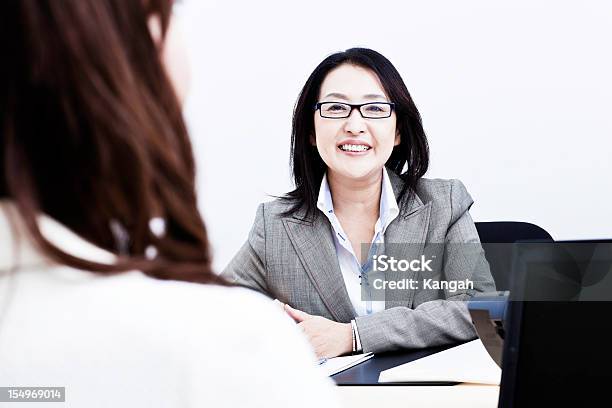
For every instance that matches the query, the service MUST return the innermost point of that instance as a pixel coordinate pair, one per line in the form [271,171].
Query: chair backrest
[492,234]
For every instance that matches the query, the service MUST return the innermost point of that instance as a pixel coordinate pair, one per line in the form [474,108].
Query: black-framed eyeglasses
[341,110]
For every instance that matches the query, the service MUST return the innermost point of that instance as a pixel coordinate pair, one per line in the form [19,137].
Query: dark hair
[92,134]
[307,165]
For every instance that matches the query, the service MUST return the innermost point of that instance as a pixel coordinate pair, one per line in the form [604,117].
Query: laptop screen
[556,350]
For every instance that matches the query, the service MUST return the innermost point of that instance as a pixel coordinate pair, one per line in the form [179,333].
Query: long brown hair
[91,134]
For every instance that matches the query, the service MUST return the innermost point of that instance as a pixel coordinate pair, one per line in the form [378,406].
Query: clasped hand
[328,338]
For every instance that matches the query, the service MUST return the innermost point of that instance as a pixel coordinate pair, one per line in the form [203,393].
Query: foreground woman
[102,250]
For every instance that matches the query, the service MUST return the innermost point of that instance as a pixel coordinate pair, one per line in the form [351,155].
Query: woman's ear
[154,23]
[173,54]
[398,138]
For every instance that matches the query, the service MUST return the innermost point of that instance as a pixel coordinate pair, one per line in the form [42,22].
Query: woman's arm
[436,322]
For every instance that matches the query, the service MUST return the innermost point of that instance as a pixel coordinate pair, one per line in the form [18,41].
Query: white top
[350,266]
[132,341]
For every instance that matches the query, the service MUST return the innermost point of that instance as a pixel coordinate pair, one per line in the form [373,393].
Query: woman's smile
[354,148]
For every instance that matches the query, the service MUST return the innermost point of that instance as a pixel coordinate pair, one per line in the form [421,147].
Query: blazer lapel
[405,239]
[314,245]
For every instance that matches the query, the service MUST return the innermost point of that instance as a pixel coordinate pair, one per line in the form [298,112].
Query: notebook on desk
[338,364]
[467,363]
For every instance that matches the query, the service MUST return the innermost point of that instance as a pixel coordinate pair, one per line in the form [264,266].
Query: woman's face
[354,147]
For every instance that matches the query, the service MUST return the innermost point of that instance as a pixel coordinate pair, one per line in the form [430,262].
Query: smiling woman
[359,153]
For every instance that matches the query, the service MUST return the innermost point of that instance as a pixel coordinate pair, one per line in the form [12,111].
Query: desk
[367,372]
[358,386]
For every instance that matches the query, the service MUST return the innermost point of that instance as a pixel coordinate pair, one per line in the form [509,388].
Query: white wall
[516,98]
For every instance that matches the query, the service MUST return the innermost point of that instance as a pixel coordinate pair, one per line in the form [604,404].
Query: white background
[516,100]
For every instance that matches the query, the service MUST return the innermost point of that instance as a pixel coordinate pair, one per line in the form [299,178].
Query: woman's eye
[374,108]
[336,108]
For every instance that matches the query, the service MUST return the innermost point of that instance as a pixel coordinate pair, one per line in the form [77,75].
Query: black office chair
[500,256]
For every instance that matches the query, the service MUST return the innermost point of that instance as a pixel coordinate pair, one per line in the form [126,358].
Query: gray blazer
[295,261]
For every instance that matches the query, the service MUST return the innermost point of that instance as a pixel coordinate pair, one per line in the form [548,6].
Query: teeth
[354,148]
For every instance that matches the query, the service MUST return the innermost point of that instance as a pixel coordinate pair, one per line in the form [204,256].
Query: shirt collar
[324,201]
[388,210]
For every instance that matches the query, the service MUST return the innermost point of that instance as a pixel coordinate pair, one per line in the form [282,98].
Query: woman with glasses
[359,153]
[106,285]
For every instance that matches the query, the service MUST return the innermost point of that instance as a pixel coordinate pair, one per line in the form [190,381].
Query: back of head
[91,133]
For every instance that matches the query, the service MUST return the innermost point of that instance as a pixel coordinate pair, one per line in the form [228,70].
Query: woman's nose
[355,123]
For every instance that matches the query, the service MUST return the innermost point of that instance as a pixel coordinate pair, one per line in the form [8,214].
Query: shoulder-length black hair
[307,166]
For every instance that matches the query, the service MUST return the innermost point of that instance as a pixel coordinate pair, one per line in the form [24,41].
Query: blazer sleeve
[248,267]
[437,322]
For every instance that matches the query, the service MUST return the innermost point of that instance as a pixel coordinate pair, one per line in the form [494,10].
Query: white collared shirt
[349,264]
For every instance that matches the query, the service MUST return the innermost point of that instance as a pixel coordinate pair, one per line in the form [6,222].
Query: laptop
[556,349]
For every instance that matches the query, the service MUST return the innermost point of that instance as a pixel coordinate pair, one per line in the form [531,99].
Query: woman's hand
[328,338]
